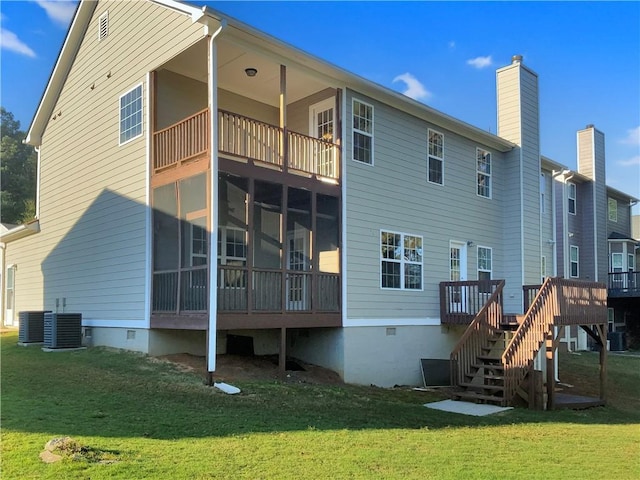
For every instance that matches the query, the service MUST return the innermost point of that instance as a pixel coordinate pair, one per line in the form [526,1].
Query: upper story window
[612,208]
[483,169]
[435,162]
[616,262]
[484,263]
[103,26]
[574,260]
[362,132]
[401,261]
[131,115]
[543,189]
[572,197]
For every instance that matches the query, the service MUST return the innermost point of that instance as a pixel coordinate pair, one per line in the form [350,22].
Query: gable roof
[258,40]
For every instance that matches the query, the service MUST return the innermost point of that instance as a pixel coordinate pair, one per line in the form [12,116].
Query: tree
[17,172]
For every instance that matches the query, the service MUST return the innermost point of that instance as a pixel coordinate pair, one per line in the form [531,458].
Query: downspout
[213,182]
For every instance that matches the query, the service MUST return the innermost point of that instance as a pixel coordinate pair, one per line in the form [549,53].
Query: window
[631,263]
[103,26]
[616,262]
[401,261]
[574,272]
[484,263]
[543,189]
[483,166]
[612,207]
[362,132]
[435,158]
[572,198]
[131,115]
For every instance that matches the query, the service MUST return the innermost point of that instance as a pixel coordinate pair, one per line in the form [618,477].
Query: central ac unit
[62,330]
[31,329]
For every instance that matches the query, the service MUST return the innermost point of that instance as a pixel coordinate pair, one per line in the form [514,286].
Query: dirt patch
[230,368]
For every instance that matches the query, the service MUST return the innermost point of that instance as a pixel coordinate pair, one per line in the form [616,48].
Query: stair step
[477,397]
[479,386]
[487,366]
[485,376]
[489,358]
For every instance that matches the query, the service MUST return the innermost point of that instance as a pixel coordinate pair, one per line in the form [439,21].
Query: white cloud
[631,162]
[633,137]
[480,62]
[414,89]
[10,41]
[60,11]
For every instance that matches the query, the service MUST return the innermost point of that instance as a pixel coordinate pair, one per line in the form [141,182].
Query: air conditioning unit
[62,330]
[31,329]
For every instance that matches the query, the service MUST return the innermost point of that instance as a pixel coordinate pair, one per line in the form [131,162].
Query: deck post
[551,375]
[282,358]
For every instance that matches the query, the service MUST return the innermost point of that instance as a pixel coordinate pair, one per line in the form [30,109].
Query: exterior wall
[582,229]
[393,194]
[623,223]
[178,98]
[91,250]
[591,163]
[518,122]
[135,339]
[547,234]
[388,356]
[298,112]
[232,102]
[318,346]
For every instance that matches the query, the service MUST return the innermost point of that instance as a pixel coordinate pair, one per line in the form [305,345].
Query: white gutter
[213,220]
[21,231]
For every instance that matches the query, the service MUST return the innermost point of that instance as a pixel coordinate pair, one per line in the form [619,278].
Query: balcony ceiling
[232,62]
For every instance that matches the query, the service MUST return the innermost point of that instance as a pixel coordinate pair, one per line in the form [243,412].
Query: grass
[158,422]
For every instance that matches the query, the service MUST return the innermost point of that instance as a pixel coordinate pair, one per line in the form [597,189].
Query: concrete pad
[466,408]
[30,344]
[76,349]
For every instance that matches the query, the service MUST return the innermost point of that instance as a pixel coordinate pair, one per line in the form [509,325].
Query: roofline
[615,191]
[20,231]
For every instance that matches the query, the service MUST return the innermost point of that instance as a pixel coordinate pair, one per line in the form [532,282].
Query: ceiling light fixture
[251,72]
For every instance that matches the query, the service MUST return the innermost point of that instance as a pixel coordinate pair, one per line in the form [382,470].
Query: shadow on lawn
[101,392]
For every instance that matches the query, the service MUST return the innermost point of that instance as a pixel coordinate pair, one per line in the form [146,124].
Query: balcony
[247,139]
[461,301]
[624,284]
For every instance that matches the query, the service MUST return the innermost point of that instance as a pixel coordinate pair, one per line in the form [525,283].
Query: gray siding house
[234,194]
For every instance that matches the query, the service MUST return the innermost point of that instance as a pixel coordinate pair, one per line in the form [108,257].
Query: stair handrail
[470,345]
[527,340]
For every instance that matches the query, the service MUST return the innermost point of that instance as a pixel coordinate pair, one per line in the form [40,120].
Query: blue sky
[587,55]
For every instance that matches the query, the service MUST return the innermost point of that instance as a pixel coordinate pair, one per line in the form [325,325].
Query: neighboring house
[197,175]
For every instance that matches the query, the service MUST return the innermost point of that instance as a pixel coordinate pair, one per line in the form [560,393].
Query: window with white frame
[631,263]
[362,132]
[131,115]
[612,209]
[574,259]
[543,190]
[484,263]
[435,161]
[400,261]
[571,194]
[483,170]
[616,262]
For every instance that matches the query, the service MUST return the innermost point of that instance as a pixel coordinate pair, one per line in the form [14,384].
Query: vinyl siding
[394,195]
[547,226]
[623,225]
[178,98]
[91,249]
[298,112]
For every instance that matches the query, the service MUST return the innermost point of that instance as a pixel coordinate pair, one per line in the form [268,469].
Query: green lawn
[160,423]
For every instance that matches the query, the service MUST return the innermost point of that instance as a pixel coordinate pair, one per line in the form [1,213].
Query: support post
[603,361]
[282,359]
[551,377]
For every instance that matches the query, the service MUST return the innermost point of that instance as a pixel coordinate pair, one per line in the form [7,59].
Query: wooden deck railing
[529,294]
[246,138]
[558,302]
[461,301]
[476,336]
[181,141]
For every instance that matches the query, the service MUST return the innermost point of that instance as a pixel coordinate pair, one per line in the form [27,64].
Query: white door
[458,273]
[10,295]
[298,261]
[321,123]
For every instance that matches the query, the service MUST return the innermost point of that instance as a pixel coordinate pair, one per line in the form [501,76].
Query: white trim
[394,322]
[142,129]
[609,199]
[574,198]
[98,322]
[148,260]
[478,260]
[354,131]
[326,104]
[577,262]
[343,187]
[429,130]
[38,181]
[20,231]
